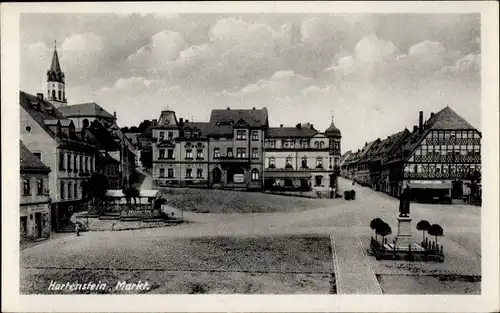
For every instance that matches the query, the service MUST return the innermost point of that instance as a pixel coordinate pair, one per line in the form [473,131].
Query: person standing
[77,229]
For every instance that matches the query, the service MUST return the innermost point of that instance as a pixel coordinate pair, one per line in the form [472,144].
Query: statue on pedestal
[404,202]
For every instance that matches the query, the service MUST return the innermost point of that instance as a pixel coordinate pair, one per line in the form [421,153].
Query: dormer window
[241,134]
[188,134]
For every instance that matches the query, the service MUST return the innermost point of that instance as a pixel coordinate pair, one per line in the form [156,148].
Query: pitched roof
[290,132]
[201,126]
[389,144]
[45,114]
[101,137]
[446,119]
[29,162]
[363,151]
[55,66]
[371,151]
[222,121]
[85,109]
[132,137]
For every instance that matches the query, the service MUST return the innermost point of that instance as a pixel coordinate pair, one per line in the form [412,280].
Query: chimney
[366,143]
[114,114]
[312,126]
[153,122]
[432,114]
[187,121]
[253,108]
[298,126]
[421,121]
[181,121]
[415,128]
[281,125]
[228,108]
[39,96]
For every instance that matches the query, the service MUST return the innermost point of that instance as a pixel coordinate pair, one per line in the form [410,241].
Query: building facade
[51,137]
[301,158]
[35,196]
[437,160]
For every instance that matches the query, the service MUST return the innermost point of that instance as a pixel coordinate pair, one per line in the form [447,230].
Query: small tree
[131,193]
[374,225]
[435,230]
[384,230]
[147,157]
[97,187]
[423,225]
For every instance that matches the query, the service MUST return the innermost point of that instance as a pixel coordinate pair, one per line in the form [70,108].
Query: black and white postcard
[264,156]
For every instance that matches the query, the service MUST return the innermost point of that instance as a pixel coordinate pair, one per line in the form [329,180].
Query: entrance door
[457,189]
[38,225]
[216,175]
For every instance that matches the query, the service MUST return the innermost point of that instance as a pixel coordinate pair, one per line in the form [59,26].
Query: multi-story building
[35,201]
[85,114]
[436,160]
[225,152]
[51,137]
[301,158]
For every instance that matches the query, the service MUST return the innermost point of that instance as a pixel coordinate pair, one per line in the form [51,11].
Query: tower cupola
[56,84]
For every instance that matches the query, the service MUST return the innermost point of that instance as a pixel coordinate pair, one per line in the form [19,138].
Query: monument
[404,236]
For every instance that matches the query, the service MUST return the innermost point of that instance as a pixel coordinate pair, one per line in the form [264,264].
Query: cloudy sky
[374,72]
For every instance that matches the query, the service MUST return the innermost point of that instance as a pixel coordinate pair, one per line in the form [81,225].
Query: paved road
[461,225]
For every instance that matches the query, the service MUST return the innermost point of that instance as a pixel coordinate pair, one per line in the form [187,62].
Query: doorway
[38,225]
[216,175]
[457,189]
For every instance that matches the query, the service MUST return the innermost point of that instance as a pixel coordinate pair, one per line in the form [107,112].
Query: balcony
[231,159]
[410,175]
[453,141]
[448,158]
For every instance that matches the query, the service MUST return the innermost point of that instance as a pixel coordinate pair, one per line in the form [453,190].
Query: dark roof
[29,162]
[104,156]
[372,151]
[45,114]
[359,156]
[351,158]
[89,109]
[389,144]
[132,137]
[446,119]
[55,73]
[201,126]
[332,130]
[223,121]
[101,137]
[148,132]
[290,132]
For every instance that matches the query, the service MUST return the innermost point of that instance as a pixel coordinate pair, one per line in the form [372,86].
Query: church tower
[56,87]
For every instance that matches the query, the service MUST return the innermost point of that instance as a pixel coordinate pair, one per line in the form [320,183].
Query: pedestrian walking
[77,229]
[331,193]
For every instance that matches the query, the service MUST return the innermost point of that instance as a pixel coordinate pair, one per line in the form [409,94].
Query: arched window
[64,95]
[271,163]
[59,94]
[319,162]
[53,94]
[304,162]
[321,144]
[85,122]
[316,144]
[288,163]
[255,174]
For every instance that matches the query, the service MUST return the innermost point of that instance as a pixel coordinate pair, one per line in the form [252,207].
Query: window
[216,153]
[199,173]
[162,172]
[170,173]
[255,174]
[241,153]
[61,161]
[70,189]
[188,134]
[229,152]
[285,143]
[39,186]
[255,153]
[316,144]
[86,164]
[304,144]
[304,162]
[321,145]
[75,162]
[75,190]
[271,162]
[255,135]
[81,163]
[199,154]
[53,94]
[189,173]
[318,180]
[272,144]
[170,154]
[26,187]
[162,135]
[38,155]
[68,159]
[241,134]
[61,190]
[189,154]
[28,129]
[162,154]
[170,135]
[319,162]
[288,162]
[336,162]
[292,144]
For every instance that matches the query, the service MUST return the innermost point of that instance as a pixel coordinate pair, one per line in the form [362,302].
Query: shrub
[435,230]
[375,224]
[423,225]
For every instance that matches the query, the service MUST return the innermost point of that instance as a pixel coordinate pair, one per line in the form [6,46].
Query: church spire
[55,66]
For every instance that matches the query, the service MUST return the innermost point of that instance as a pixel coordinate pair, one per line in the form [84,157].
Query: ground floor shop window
[318,180]
[255,174]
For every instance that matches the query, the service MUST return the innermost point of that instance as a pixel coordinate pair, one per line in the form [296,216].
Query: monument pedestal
[404,237]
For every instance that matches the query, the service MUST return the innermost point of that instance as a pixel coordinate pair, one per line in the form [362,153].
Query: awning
[430,186]
[287,175]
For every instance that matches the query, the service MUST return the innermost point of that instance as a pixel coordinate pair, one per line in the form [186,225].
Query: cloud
[466,68]
[165,46]
[82,43]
